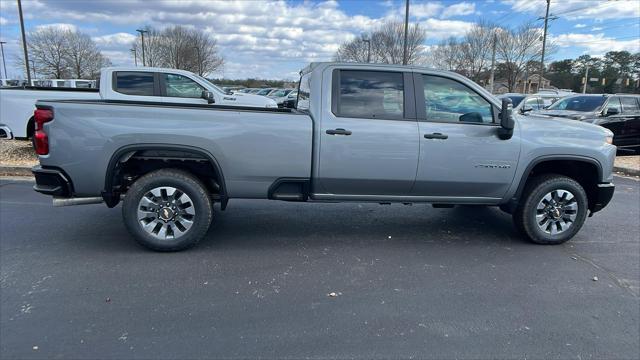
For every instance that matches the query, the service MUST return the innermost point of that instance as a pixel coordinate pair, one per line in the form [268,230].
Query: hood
[567,114]
[252,100]
[562,126]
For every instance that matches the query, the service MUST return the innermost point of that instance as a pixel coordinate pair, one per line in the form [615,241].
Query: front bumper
[52,181]
[603,196]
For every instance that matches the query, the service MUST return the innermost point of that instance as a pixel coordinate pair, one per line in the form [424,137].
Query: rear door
[368,141]
[461,155]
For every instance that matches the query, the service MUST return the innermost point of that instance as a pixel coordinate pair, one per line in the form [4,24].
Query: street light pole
[368,41]
[135,56]
[142,34]
[3,63]
[406,32]
[199,60]
[24,43]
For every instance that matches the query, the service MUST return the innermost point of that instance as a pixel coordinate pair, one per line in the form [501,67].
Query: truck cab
[170,86]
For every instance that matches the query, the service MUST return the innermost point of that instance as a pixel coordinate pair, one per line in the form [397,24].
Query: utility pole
[3,63]
[406,32]
[135,56]
[544,40]
[24,43]
[493,61]
[142,34]
[33,63]
[586,78]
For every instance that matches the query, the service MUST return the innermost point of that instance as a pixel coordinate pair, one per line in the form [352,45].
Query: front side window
[371,94]
[181,86]
[629,104]
[613,104]
[447,100]
[134,83]
[531,103]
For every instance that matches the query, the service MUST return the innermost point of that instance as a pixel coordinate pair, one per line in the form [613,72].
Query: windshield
[214,86]
[579,103]
[264,92]
[280,93]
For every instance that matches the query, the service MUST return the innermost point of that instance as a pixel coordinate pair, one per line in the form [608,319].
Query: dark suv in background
[619,113]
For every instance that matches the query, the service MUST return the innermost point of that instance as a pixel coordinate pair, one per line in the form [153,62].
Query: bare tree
[386,45]
[475,49]
[83,58]
[516,48]
[179,47]
[356,50]
[446,55]
[47,50]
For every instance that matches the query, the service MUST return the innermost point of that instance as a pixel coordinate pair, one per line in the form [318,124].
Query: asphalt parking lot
[410,282]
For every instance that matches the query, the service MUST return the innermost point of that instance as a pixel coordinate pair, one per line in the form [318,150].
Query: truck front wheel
[167,210]
[552,210]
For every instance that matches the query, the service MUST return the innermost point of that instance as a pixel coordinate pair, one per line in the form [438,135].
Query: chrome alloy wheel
[556,212]
[166,213]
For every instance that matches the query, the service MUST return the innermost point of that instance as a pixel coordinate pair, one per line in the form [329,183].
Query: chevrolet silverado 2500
[361,132]
[121,83]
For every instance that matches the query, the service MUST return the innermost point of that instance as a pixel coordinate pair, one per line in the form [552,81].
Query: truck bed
[253,147]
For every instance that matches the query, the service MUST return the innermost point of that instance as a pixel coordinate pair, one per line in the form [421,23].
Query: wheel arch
[172,152]
[579,168]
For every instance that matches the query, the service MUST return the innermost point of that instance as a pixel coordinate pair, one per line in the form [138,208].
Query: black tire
[186,184]
[536,189]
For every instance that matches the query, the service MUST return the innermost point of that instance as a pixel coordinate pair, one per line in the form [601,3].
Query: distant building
[524,85]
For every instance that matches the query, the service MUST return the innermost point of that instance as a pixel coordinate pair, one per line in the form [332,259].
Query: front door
[368,136]
[461,155]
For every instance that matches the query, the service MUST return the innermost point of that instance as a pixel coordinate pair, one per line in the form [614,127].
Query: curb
[16,171]
[626,171]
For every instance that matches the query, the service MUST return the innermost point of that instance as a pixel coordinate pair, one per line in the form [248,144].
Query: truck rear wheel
[552,210]
[167,210]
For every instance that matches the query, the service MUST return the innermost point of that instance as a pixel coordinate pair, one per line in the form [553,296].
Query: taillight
[40,138]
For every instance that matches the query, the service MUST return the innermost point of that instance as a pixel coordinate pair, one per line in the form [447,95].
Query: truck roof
[147,69]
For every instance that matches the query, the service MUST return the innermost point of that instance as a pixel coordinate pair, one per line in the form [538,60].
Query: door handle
[339,132]
[436,136]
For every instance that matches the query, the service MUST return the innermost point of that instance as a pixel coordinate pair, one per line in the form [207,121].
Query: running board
[57,202]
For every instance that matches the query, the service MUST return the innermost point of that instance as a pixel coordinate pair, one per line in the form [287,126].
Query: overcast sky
[275,39]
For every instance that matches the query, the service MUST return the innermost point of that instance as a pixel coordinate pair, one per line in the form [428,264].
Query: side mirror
[525,109]
[612,111]
[506,120]
[208,95]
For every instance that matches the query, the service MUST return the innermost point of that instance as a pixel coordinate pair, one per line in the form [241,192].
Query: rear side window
[134,83]
[370,94]
[629,104]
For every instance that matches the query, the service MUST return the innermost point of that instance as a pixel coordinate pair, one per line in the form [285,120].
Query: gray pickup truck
[361,132]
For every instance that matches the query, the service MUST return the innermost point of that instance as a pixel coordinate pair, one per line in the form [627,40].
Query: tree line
[619,69]
[518,53]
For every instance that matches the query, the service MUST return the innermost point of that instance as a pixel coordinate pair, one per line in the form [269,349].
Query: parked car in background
[11,82]
[619,113]
[142,84]
[290,101]
[264,92]
[531,102]
[280,96]
[65,83]
[361,132]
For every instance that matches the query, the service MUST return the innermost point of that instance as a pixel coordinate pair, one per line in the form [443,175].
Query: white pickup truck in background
[121,83]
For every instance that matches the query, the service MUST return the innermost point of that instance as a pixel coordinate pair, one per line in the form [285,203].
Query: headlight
[608,137]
